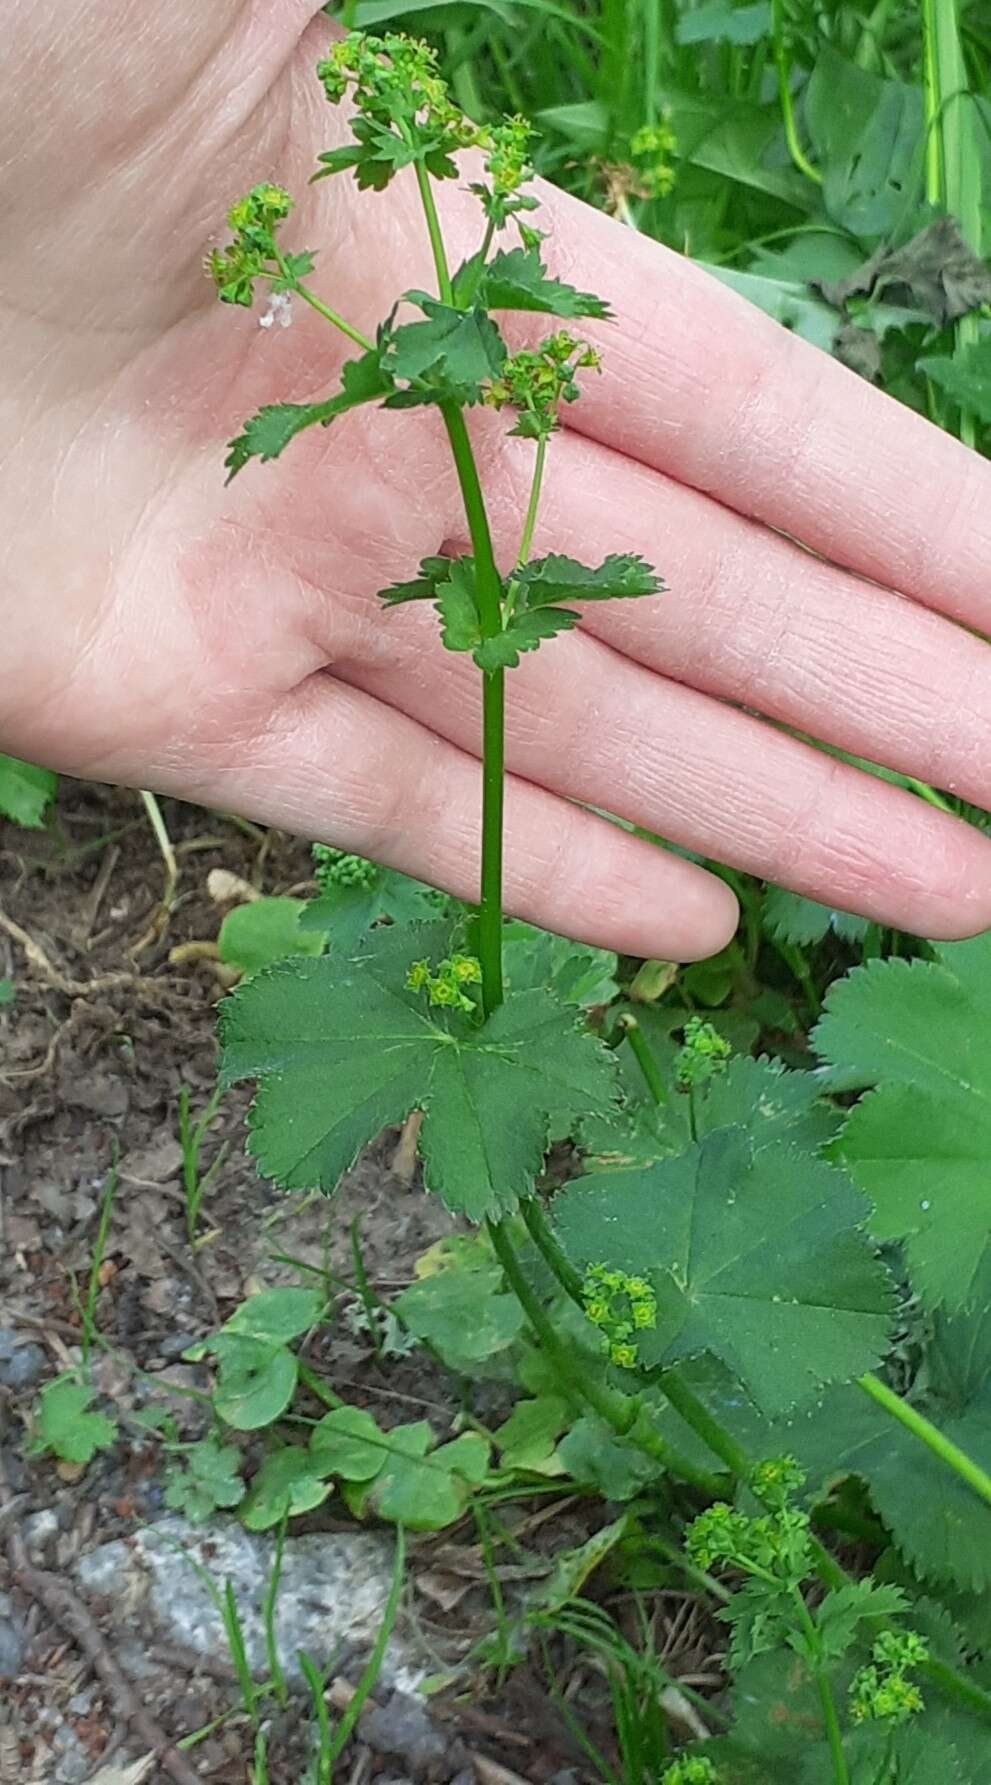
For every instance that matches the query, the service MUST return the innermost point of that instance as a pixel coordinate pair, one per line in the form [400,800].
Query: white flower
[279,310]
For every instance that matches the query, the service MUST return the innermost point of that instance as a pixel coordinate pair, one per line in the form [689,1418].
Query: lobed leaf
[455,351]
[525,631]
[516,279]
[267,434]
[558,578]
[26,792]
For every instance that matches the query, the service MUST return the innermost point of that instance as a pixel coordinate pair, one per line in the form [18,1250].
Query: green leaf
[524,632]
[516,279]
[457,605]
[348,1443]
[790,918]
[269,432]
[843,1610]
[255,1381]
[755,1255]
[593,1454]
[8,992]
[276,1315]
[26,792]
[965,376]
[208,1477]
[527,1438]
[253,936]
[577,973]
[423,1491]
[422,588]
[343,915]
[458,351]
[64,1425]
[557,578]
[919,1145]
[464,1315]
[720,22]
[286,1484]
[344,1049]
[868,137]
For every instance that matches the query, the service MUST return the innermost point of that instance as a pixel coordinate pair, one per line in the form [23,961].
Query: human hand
[226,645]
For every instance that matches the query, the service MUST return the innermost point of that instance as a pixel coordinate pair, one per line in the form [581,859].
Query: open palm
[226,645]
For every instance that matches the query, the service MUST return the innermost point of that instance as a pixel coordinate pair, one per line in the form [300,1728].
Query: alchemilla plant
[710,1291]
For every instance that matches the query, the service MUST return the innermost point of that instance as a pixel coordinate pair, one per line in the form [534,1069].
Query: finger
[701,384]
[751,618]
[591,725]
[339,766]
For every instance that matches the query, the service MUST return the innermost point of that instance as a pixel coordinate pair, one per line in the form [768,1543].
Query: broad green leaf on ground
[557,578]
[790,918]
[867,135]
[458,351]
[64,1424]
[919,1144]
[345,914]
[596,1458]
[742,142]
[276,1315]
[207,1475]
[965,376]
[286,1485]
[256,1380]
[26,792]
[465,1316]
[269,432]
[253,936]
[755,1255]
[526,1440]
[418,1486]
[343,1049]
[348,1443]
[516,279]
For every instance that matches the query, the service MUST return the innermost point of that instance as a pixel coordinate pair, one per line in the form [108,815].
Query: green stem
[530,523]
[437,248]
[641,1051]
[488,584]
[556,1259]
[782,63]
[826,1700]
[322,309]
[615,1410]
[928,1434]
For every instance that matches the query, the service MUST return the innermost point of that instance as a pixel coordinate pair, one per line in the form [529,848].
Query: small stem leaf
[754,1255]
[456,352]
[516,279]
[343,1049]
[918,1145]
[269,432]
[965,376]
[422,588]
[557,578]
[525,632]
[457,605]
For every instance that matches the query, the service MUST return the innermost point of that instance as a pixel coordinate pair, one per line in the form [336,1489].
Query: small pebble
[40,1531]
[11,1649]
[22,1365]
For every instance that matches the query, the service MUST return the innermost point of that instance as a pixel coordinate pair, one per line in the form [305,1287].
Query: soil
[114,1012]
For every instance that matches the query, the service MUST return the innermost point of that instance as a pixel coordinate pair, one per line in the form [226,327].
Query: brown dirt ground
[104,1031]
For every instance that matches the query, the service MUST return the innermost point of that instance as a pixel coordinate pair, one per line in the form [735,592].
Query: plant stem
[616,1410]
[640,1048]
[322,309]
[782,63]
[437,248]
[826,1700]
[930,1435]
[546,1242]
[529,525]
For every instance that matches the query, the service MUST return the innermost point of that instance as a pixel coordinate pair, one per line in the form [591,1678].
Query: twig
[403,1162]
[70,988]
[489,1772]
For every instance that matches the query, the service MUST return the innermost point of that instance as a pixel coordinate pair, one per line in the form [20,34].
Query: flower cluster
[703,1054]
[536,382]
[621,1307]
[651,148]
[690,1769]
[445,985]
[334,867]
[253,221]
[881,1692]
[394,83]
[774,1546]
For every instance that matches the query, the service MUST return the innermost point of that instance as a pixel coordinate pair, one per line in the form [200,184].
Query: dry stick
[71,988]
[70,1613]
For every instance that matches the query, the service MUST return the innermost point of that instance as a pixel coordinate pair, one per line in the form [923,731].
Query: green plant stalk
[317,1686]
[641,1051]
[953,168]
[268,1616]
[614,1409]
[928,1434]
[96,1264]
[782,63]
[373,1666]
[827,1702]
[239,1654]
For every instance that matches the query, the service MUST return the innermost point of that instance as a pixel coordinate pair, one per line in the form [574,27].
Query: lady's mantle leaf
[754,1255]
[518,280]
[458,350]
[919,1144]
[25,792]
[268,433]
[343,1049]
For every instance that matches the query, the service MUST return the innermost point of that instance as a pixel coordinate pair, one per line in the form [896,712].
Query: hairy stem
[930,1435]
[615,1410]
